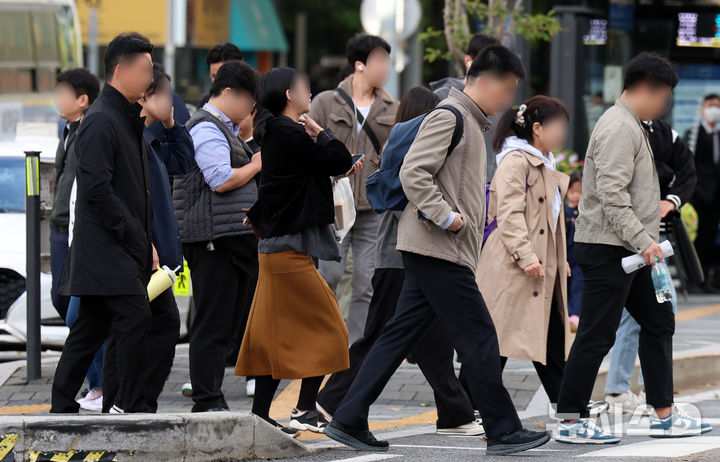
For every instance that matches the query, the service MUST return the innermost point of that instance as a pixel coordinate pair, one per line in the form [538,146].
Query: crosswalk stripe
[462,448]
[676,447]
[368,458]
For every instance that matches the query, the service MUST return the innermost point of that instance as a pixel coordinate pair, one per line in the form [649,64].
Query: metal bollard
[32,267]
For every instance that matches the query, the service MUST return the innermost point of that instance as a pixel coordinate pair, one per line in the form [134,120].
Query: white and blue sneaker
[584,431]
[677,425]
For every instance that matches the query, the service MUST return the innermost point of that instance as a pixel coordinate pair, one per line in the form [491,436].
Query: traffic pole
[32,267]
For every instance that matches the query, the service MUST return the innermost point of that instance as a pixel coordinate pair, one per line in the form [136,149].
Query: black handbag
[686,258]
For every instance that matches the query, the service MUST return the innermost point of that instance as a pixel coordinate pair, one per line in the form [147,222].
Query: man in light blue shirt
[211,202]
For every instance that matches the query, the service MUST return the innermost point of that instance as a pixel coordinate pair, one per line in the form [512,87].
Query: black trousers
[550,374]
[606,290]
[436,291]
[223,282]
[158,357]
[126,319]
[709,218]
[434,355]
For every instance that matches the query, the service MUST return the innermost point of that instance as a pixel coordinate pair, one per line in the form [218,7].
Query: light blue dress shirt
[212,151]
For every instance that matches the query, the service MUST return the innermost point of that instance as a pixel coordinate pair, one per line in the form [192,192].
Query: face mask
[712,114]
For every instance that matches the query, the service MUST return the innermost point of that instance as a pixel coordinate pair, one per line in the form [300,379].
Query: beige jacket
[331,111]
[437,184]
[521,195]
[620,203]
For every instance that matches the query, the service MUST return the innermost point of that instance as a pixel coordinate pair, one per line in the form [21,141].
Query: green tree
[501,19]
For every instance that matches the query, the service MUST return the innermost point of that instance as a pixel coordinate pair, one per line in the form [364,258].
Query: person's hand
[356,168]
[256,161]
[311,127]
[651,252]
[156,259]
[569,271]
[170,121]
[457,223]
[665,208]
[534,270]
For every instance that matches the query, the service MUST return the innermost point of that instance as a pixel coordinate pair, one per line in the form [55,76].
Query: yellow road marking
[696,313]
[24,409]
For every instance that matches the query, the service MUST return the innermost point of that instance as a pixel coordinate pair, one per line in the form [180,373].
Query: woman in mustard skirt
[295,329]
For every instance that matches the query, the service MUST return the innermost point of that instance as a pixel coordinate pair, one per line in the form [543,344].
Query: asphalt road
[423,444]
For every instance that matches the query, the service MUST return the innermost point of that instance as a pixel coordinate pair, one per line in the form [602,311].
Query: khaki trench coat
[521,195]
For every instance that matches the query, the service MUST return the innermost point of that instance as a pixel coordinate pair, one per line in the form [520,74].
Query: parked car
[13,305]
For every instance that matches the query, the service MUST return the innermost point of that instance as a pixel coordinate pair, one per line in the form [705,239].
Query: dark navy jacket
[172,154]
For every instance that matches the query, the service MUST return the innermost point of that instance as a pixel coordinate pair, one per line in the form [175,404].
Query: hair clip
[519,117]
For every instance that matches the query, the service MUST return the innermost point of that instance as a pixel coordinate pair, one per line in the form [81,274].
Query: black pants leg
[265,388]
[606,290]
[551,373]
[436,289]
[434,355]
[128,320]
[219,278]
[87,334]
[160,344]
[308,393]
[161,341]
[387,285]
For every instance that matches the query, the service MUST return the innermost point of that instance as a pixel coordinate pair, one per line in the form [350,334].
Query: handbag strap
[368,131]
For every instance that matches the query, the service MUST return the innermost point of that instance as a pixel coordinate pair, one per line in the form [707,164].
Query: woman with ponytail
[295,329]
[523,270]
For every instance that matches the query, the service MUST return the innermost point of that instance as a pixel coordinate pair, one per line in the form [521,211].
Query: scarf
[513,143]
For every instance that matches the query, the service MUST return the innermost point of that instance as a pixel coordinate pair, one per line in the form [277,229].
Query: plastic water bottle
[661,281]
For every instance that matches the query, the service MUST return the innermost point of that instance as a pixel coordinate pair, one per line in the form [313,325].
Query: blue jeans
[625,350]
[94,373]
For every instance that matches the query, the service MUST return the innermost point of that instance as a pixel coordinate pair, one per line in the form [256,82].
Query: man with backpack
[360,113]
[439,236]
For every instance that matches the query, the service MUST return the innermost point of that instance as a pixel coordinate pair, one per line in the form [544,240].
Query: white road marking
[369,458]
[676,447]
[461,448]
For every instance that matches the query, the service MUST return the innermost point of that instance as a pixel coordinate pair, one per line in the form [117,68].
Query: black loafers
[517,441]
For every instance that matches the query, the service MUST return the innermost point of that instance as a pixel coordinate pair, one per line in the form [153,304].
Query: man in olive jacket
[620,216]
[439,235]
[111,254]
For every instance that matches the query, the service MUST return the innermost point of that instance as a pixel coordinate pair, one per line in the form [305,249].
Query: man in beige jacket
[619,217]
[440,234]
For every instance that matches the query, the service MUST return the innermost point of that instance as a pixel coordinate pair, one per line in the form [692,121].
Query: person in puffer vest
[211,202]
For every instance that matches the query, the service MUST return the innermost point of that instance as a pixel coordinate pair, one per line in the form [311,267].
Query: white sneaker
[250,388]
[94,405]
[625,403]
[186,390]
[584,431]
[474,428]
[676,425]
[90,396]
[116,410]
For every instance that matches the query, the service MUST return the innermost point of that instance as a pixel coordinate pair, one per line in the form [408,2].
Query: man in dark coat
[706,146]
[111,256]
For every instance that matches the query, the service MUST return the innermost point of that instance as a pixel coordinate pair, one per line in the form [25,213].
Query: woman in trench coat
[522,272]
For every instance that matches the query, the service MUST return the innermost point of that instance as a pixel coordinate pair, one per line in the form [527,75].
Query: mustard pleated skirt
[295,329]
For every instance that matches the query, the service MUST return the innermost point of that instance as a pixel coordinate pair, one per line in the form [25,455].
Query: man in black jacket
[75,91]
[111,256]
[706,147]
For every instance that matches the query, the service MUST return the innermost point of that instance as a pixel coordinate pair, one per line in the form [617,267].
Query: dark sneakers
[307,421]
[356,439]
[517,441]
